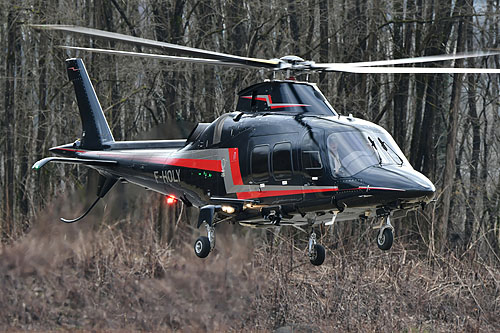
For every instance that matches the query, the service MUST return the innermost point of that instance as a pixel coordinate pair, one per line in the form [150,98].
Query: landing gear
[384,239]
[204,245]
[385,235]
[274,217]
[316,251]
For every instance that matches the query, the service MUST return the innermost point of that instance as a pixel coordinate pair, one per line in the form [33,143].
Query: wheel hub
[381,238]
[313,254]
[198,247]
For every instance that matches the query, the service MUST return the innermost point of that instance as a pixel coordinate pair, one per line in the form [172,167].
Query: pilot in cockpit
[350,152]
[334,156]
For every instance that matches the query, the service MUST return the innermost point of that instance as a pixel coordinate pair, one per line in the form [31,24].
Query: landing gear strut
[316,251]
[204,245]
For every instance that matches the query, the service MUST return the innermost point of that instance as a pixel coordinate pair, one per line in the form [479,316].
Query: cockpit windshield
[349,153]
[352,151]
[390,152]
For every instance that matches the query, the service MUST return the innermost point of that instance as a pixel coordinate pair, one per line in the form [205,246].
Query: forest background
[132,260]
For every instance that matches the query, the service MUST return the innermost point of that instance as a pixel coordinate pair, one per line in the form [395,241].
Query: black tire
[202,247]
[319,255]
[384,241]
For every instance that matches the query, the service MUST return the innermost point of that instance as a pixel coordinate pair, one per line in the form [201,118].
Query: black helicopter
[284,157]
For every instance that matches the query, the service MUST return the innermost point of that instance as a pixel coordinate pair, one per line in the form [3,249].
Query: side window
[311,157]
[260,163]
[311,160]
[282,161]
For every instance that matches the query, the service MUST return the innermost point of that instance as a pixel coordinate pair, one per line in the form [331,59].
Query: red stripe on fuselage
[287,106]
[73,150]
[209,165]
[234,163]
[267,100]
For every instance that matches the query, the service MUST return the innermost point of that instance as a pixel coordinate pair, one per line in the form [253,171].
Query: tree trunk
[451,143]
[207,19]
[402,46]
[9,124]
[40,147]
[294,26]
[237,41]
[323,37]
[168,28]
[470,213]
[420,85]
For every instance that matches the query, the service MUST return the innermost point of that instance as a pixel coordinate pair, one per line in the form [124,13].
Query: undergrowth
[117,274]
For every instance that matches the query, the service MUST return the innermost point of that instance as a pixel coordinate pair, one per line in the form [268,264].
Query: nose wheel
[204,245]
[385,239]
[316,251]
[385,235]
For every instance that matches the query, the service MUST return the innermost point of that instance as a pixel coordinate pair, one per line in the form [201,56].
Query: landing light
[228,209]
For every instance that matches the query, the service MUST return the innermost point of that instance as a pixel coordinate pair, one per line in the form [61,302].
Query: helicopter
[284,157]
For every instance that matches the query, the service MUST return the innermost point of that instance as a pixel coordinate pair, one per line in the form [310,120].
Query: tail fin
[96,132]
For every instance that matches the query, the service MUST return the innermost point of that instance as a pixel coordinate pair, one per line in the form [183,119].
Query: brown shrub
[116,274]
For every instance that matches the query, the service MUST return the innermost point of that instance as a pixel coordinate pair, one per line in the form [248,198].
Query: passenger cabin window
[260,163]
[311,158]
[282,161]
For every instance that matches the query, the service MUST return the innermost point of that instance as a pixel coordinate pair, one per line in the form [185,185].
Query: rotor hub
[292,62]
[292,59]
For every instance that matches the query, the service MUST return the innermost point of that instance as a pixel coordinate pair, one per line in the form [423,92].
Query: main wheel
[384,240]
[318,255]
[202,247]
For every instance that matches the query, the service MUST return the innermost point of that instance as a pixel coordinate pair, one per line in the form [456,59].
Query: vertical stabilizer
[96,133]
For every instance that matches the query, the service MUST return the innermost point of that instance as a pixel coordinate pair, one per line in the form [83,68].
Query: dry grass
[116,276]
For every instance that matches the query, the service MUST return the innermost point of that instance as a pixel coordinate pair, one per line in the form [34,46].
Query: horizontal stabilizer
[46,160]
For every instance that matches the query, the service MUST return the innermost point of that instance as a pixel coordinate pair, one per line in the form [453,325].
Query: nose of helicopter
[406,182]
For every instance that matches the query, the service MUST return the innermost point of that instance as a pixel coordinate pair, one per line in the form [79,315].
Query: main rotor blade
[409,70]
[157,56]
[184,50]
[416,60]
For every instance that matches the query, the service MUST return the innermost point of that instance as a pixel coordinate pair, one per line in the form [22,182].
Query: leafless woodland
[130,265]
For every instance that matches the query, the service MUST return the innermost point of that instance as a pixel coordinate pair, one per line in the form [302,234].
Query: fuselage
[273,160]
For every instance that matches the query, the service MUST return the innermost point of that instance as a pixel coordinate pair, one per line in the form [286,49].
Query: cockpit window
[350,152]
[391,154]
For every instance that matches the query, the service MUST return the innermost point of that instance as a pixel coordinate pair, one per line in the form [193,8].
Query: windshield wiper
[385,147]
[376,150]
